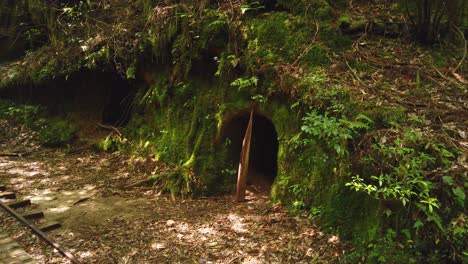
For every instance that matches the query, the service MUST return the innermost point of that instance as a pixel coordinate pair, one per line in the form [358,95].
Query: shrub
[58,133]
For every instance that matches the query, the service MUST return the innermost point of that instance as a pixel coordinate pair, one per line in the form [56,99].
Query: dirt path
[103,222]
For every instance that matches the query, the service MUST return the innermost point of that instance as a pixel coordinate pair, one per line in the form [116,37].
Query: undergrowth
[53,132]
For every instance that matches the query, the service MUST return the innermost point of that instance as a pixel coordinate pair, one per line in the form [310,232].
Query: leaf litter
[105,222]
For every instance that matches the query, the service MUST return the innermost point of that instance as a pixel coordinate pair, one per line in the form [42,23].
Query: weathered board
[11,252]
[243,170]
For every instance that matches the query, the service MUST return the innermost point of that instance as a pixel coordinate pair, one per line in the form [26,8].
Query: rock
[170,223]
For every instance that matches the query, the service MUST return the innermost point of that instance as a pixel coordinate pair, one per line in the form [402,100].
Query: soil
[103,221]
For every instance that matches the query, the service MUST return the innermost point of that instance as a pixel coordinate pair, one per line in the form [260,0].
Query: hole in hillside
[117,110]
[263,151]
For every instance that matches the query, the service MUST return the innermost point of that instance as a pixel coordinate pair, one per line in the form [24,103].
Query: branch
[354,73]
[464,43]
[110,128]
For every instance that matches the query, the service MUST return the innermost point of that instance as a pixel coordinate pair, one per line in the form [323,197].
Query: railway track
[10,251]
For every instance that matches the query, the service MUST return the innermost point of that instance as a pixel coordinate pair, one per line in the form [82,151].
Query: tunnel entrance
[263,165]
[117,110]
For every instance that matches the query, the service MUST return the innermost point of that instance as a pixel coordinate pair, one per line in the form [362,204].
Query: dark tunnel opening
[117,110]
[263,165]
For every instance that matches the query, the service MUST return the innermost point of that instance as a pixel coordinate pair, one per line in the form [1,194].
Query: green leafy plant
[403,168]
[242,83]
[404,177]
[57,133]
[334,132]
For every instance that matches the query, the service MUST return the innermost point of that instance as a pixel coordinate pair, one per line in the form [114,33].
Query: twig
[139,183]
[445,77]
[78,150]
[312,44]
[464,53]
[81,200]
[110,127]
[354,74]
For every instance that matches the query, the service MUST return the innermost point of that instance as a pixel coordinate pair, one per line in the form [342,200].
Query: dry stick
[354,74]
[464,53]
[110,127]
[312,44]
[244,162]
[444,77]
[39,233]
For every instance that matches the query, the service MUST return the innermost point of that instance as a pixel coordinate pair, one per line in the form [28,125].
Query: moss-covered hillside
[361,121]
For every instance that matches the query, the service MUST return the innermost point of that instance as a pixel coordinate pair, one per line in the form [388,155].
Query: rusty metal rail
[39,233]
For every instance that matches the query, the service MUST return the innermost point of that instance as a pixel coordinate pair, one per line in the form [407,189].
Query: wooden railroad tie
[49,226]
[33,214]
[19,204]
[7,195]
[39,231]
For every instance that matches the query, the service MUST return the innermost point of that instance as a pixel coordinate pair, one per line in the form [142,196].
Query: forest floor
[103,221]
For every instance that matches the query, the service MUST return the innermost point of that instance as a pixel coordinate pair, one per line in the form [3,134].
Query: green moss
[359,65]
[179,182]
[344,21]
[387,117]
[317,56]
[333,38]
[320,9]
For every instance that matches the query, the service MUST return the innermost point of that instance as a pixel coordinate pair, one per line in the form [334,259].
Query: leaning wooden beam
[39,233]
[244,162]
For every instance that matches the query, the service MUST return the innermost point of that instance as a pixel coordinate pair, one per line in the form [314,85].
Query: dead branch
[464,53]
[354,73]
[143,182]
[113,128]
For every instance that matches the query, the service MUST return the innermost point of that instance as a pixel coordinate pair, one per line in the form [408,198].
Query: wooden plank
[5,240]
[243,170]
[33,214]
[13,253]
[7,195]
[19,204]
[49,226]
[8,246]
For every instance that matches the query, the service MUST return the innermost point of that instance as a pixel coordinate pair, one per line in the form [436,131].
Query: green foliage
[386,249]
[400,169]
[57,133]
[403,177]
[179,182]
[281,38]
[30,115]
[317,55]
[319,9]
[344,20]
[335,100]
[113,143]
[389,117]
[242,83]
[406,182]
[334,132]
